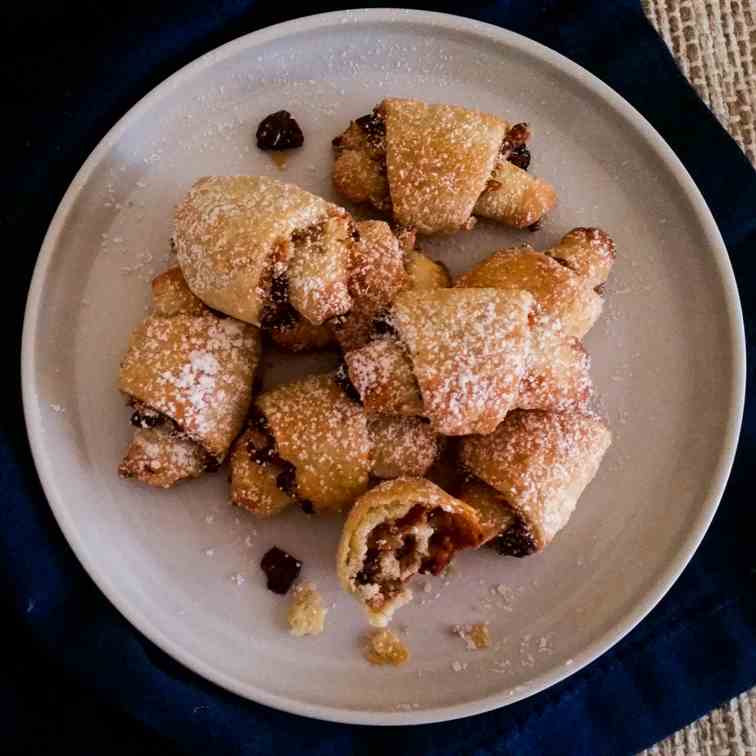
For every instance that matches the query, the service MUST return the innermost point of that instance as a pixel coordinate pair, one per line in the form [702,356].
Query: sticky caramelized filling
[422,541]
[513,147]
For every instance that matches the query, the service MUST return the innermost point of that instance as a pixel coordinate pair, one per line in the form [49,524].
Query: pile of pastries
[460,413]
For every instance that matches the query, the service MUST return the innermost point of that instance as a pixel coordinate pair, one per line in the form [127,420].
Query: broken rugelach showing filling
[399,529]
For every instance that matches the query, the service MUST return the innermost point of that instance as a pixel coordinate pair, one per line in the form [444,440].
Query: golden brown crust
[359,169]
[428,526]
[402,446]
[376,275]
[468,349]
[560,293]
[228,229]
[494,514]
[424,273]
[324,435]
[161,458]
[253,482]
[588,252]
[318,270]
[540,463]
[382,374]
[195,370]
[382,647]
[515,197]
[172,296]
[438,159]
[558,374]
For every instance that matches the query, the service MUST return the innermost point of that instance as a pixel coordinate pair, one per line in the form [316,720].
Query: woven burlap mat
[714,43]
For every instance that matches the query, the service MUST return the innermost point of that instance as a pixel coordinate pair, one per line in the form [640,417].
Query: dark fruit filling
[146,418]
[520,156]
[373,125]
[286,480]
[517,540]
[382,325]
[278,313]
[400,538]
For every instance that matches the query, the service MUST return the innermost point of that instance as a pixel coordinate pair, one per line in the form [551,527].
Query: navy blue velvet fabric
[77,677]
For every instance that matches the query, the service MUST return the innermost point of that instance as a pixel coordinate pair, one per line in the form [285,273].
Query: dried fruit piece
[279,131]
[281,569]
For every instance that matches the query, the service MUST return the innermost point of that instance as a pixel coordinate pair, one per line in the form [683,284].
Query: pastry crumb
[306,613]
[458,666]
[475,636]
[383,647]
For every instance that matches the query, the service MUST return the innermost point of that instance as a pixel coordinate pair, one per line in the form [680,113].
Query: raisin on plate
[279,131]
[281,569]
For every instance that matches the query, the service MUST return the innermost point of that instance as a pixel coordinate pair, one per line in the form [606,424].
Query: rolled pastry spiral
[525,478]
[309,443]
[434,167]
[188,375]
[465,357]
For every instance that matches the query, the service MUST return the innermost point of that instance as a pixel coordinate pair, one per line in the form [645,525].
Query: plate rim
[688,546]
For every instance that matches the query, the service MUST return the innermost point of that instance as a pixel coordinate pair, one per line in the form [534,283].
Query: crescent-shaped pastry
[562,280]
[394,531]
[188,374]
[529,474]
[323,437]
[307,442]
[250,243]
[433,166]
[439,362]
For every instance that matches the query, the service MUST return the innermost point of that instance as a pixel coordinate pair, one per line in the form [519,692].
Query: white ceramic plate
[668,362]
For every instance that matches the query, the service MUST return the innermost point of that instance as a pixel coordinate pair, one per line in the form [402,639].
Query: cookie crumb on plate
[475,636]
[306,613]
[383,647]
